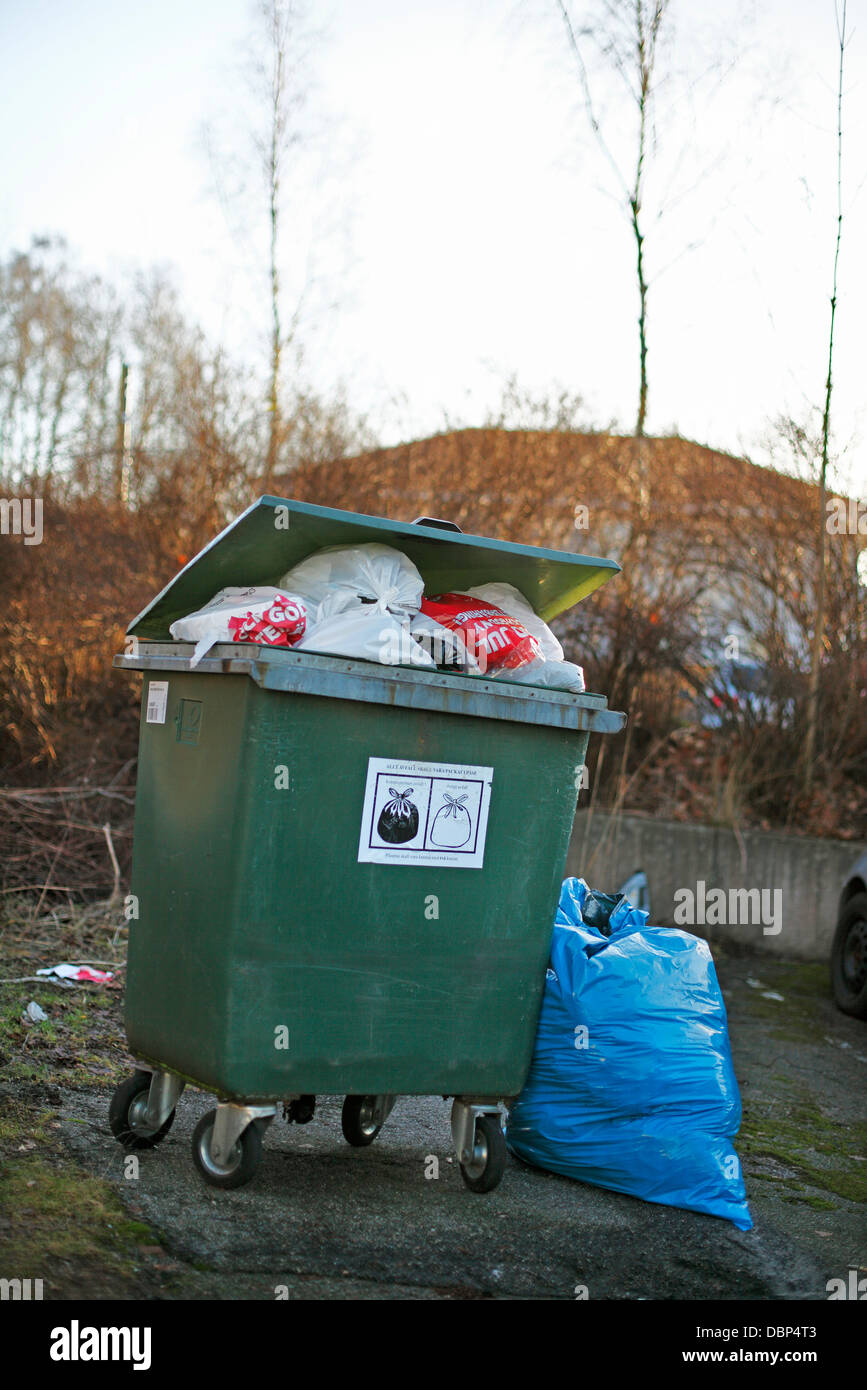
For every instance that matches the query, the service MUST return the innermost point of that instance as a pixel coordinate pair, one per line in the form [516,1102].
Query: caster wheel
[357,1122]
[127,1114]
[243,1160]
[488,1163]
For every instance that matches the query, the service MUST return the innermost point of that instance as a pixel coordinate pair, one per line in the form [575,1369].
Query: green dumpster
[279,948]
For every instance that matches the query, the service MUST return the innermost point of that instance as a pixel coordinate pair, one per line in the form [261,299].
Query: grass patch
[81,1042]
[57,1222]
[799,1136]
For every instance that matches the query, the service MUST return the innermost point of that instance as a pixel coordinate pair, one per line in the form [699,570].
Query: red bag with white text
[279,622]
[490,635]
[258,613]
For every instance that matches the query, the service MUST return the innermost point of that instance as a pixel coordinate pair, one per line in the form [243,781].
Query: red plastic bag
[279,622]
[490,635]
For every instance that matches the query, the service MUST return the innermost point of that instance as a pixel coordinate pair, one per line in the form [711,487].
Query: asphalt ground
[394,1221]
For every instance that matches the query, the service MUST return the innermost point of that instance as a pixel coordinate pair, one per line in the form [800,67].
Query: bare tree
[283,98]
[57,336]
[258,149]
[819,627]
[627,34]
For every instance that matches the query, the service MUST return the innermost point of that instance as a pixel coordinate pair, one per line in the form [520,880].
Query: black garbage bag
[398,819]
[598,908]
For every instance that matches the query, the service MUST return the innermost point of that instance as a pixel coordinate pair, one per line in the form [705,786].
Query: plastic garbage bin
[280,947]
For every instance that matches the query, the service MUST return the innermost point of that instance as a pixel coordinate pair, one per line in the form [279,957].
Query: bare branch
[819,626]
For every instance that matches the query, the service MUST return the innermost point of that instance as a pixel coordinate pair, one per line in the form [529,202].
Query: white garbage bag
[551,669]
[553,675]
[254,614]
[361,631]
[346,576]
[445,646]
[361,600]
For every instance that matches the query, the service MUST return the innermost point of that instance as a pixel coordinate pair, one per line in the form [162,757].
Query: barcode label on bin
[425,813]
[158,698]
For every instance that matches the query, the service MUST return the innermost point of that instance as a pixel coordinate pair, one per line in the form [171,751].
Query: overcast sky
[455,211]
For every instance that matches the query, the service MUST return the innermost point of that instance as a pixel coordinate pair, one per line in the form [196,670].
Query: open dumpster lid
[276,533]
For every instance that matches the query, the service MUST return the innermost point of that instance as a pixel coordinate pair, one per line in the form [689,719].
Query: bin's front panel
[282,963]
[190,768]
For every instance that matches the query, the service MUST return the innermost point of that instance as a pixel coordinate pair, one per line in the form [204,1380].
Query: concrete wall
[801,878]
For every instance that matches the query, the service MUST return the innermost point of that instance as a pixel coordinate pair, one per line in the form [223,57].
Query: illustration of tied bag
[398,819]
[452,826]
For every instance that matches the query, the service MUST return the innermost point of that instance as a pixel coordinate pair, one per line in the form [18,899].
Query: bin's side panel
[189,798]
[358,977]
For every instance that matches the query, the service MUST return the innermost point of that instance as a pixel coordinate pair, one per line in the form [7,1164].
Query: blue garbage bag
[632,1086]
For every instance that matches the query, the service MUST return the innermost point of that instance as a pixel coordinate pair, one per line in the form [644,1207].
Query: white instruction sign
[158,698]
[425,813]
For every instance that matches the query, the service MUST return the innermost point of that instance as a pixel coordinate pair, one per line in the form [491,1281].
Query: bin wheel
[243,1161]
[486,1167]
[127,1114]
[357,1122]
